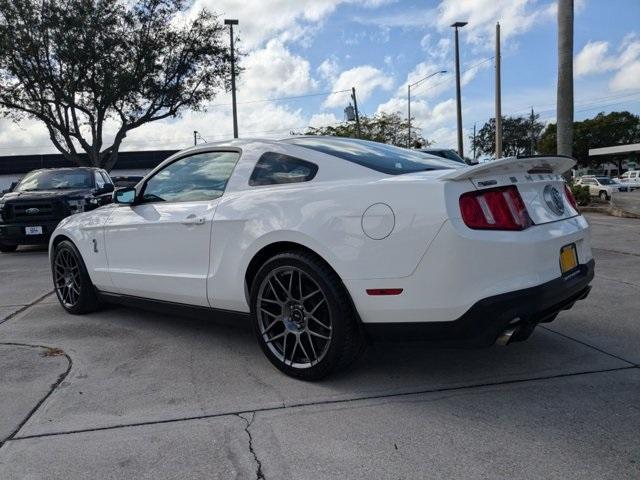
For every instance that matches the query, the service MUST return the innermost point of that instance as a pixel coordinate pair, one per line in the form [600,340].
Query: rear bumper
[488,318]
[14,233]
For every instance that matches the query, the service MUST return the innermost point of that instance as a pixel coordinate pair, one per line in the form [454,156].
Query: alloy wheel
[66,271]
[293,316]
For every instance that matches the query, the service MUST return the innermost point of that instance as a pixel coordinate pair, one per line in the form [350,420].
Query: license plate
[568,258]
[33,230]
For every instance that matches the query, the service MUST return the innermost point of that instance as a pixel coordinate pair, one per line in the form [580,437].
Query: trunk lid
[539,181]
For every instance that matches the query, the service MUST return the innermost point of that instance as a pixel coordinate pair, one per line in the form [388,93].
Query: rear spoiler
[537,164]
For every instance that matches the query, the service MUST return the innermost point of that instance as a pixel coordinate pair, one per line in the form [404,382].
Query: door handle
[193,220]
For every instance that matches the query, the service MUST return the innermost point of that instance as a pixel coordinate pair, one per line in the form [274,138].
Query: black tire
[603,196]
[345,341]
[7,248]
[71,282]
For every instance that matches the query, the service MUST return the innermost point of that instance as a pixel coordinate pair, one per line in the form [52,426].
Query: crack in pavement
[616,251]
[53,387]
[259,473]
[590,346]
[616,280]
[326,402]
[25,307]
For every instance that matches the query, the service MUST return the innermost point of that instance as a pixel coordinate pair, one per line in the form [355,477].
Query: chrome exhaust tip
[506,336]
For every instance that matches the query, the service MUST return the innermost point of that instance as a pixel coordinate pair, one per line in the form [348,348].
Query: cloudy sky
[308,48]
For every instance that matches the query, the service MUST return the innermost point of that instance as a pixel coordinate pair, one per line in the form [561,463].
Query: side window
[105,177]
[276,168]
[634,174]
[99,180]
[202,176]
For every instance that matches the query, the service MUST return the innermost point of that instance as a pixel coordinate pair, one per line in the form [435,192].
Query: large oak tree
[519,136]
[382,127]
[87,67]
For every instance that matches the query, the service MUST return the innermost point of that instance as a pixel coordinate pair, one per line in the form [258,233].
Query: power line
[482,62]
[278,99]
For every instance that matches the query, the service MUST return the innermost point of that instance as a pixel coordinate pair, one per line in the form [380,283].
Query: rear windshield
[55,180]
[377,156]
[450,154]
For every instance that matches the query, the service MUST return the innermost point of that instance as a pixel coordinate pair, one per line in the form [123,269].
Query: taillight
[570,197]
[495,209]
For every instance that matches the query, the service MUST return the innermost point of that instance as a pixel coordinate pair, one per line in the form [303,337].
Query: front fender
[86,231]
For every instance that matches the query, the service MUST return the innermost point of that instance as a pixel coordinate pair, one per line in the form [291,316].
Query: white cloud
[595,58]
[263,20]
[515,17]
[627,78]
[323,120]
[592,59]
[288,20]
[328,69]
[365,78]
[274,70]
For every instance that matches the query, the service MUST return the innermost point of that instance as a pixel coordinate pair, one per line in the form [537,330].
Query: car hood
[45,194]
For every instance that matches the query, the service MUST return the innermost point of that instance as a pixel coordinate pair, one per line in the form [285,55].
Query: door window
[202,176]
[99,180]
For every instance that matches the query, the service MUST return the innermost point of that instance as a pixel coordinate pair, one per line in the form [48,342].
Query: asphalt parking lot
[126,393]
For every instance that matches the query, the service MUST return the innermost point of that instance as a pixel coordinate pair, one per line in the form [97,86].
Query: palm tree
[565,78]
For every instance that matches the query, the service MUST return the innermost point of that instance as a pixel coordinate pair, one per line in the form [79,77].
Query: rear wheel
[7,248]
[604,196]
[302,316]
[72,283]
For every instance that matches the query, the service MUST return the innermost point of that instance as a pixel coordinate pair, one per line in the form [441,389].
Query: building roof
[18,164]
[633,147]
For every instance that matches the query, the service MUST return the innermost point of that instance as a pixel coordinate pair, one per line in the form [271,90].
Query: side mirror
[125,196]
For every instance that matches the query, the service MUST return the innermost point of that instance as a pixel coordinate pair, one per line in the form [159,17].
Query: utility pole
[498,97]
[456,26]
[565,78]
[231,23]
[533,136]
[474,141]
[409,115]
[195,138]
[355,106]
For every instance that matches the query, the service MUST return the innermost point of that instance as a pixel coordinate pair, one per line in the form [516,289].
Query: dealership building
[13,167]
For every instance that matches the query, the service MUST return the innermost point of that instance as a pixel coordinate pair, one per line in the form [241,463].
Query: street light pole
[231,23]
[456,26]
[409,100]
[498,96]
[409,114]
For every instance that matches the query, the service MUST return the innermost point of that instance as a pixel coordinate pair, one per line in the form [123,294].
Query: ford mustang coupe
[323,241]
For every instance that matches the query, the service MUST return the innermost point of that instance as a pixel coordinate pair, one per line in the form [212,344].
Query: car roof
[65,168]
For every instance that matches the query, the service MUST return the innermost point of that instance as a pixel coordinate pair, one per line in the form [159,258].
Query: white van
[631,179]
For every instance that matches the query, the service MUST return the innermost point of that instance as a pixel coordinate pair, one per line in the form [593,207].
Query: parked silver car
[602,187]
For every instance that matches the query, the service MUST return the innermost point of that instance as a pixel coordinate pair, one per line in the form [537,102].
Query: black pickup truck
[30,212]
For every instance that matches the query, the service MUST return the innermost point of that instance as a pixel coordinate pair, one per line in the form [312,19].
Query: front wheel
[72,283]
[303,317]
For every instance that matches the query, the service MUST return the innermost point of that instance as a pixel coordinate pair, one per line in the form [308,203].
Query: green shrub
[581,194]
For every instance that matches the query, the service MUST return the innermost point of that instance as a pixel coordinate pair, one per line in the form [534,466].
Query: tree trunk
[109,162]
[565,78]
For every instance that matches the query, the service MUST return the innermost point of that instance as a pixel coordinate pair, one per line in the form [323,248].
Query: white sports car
[324,240]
